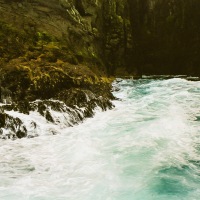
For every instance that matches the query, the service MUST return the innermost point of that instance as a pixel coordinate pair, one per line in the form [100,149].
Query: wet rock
[9,107]
[12,128]
[41,108]
[69,106]
[23,107]
[20,134]
[30,136]
[2,120]
[78,105]
[49,117]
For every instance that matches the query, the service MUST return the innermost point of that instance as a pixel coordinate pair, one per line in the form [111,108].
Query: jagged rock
[20,134]
[84,98]
[11,127]
[41,108]
[2,120]
[78,105]
[49,117]
[23,107]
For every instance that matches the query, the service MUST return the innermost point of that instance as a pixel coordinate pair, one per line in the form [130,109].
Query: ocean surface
[146,148]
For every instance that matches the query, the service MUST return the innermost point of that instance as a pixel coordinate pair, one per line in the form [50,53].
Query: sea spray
[147,148]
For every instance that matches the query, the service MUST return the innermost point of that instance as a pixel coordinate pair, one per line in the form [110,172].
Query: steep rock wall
[166,36]
[97,32]
[118,37]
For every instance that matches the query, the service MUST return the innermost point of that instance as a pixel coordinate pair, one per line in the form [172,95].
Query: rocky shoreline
[66,108]
[13,122]
[59,93]
[50,66]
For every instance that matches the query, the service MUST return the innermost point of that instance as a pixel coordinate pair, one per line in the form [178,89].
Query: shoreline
[55,92]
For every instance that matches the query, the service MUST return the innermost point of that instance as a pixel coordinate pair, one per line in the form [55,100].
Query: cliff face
[166,36]
[38,26]
[110,36]
[95,32]
[117,36]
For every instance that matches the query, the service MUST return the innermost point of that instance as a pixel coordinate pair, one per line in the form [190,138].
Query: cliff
[109,36]
[93,34]
[51,51]
[96,33]
[66,49]
[166,36]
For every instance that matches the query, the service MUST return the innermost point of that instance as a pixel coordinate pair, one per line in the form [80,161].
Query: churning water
[146,148]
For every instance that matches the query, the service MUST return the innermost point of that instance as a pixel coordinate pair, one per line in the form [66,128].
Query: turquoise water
[146,148]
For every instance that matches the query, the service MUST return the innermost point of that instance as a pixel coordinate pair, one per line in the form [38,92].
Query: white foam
[117,155]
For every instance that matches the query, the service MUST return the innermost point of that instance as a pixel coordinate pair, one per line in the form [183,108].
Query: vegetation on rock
[115,37]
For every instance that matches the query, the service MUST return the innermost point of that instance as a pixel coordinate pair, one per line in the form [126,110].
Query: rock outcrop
[26,119]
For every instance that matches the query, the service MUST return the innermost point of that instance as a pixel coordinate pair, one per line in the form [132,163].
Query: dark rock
[30,136]
[49,117]
[41,108]
[9,107]
[21,134]
[2,120]
[23,107]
